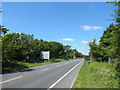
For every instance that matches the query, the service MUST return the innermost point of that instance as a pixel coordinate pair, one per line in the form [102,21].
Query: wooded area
[25,48]
[108,48]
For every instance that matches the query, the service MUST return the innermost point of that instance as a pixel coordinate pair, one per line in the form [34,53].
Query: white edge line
[63,76]
[75,77]
[11,79]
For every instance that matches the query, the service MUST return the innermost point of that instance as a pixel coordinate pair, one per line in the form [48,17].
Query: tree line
[108,47]
[24,47]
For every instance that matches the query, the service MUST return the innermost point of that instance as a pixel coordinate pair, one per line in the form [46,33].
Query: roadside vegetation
[14,66]
[20,50]
[20,47]
[103,70]
[96,75]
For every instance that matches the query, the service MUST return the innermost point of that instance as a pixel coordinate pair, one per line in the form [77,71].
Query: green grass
[96,75]
[13,66]
[33,64]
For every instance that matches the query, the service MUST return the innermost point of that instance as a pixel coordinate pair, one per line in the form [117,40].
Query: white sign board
[45,54]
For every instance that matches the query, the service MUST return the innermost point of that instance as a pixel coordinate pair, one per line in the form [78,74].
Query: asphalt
[58,75]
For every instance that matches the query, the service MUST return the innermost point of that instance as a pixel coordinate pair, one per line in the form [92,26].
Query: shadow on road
[14,67]
[22,70]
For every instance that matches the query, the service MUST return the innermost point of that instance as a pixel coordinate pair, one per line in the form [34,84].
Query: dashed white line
[58,65]
[45,69]
[63,76]
[11,79]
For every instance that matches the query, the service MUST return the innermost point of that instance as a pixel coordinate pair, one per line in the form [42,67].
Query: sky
[70,23]
[55,0]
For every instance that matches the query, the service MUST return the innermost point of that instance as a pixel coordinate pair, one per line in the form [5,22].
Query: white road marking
[63,76]
[45,69]
[75,77]
[11,79]
[66,63]
[57,65]
[43,66]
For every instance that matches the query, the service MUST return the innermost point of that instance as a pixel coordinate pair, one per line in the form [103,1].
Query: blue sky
[70,23]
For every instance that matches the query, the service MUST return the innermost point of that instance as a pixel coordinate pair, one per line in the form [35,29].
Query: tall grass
[96,75]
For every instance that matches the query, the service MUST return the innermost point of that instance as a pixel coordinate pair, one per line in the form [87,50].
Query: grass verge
[13,66]
[96,75]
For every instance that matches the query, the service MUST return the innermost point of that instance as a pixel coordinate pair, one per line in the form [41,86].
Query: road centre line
[45,69]
[58,65]
[11,79]
[46,65]
[63,76]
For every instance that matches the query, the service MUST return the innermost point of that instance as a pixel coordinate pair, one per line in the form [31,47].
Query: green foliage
[96,75]
[20,47]
[15,46]
[109,44]
[71,53]
[94,48]
[3,30]
[18,65]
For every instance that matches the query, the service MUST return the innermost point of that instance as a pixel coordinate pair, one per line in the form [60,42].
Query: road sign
[45,54]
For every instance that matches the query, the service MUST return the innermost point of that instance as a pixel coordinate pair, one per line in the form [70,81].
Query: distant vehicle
[87,57]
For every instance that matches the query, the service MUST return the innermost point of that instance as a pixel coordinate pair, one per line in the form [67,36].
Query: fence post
[109,60]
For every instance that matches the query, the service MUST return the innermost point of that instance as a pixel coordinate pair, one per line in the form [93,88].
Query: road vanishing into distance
[57,75]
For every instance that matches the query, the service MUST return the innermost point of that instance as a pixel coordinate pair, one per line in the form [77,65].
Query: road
[57,75]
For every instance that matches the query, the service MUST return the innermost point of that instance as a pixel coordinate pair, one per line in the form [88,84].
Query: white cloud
[68,39]
[87,27]
[84,51]
[84,42]
[97,41]
[79,50]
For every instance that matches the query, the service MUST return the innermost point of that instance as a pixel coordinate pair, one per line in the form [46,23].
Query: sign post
[45,55]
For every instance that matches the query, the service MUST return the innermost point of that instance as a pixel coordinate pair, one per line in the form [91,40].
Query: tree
[24,48]
[77,54]
[56,49]
[116,30]
[109,45]
[15,46]
[3,30]
[94,50]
